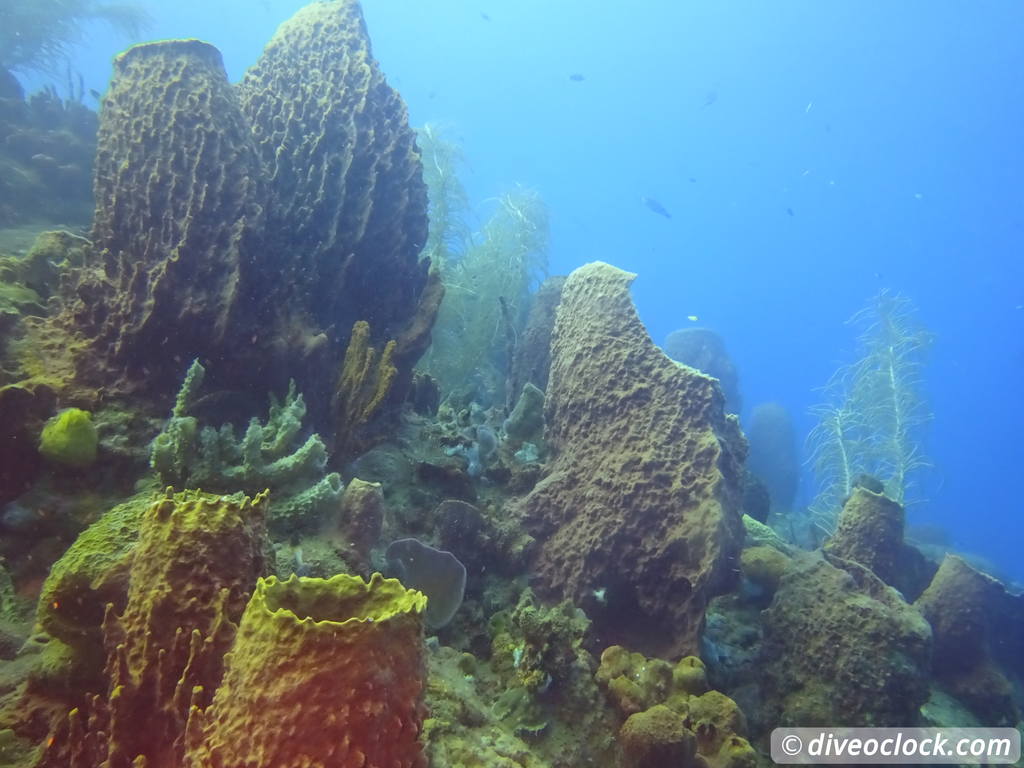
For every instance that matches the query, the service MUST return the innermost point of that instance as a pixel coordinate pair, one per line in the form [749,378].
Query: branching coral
[269,455]
[873,411]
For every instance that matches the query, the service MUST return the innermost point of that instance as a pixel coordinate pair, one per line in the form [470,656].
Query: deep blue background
[893,132]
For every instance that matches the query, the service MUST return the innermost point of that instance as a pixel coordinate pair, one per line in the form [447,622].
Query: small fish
[808,107]
[484,16]
[693,180]
[692,318]
[576,77]
[710,98]
[790,212]
[655,206]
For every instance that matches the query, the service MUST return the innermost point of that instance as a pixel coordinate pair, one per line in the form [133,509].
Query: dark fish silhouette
[710,98]
[576,77]
[655,206]
[790,212]
[484,16]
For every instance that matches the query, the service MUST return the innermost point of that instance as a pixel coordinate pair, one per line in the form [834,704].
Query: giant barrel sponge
[252,225]
[192,570]
[638,519]
[325,672]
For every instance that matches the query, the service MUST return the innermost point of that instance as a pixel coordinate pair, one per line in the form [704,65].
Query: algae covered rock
[979,630]
[841,647]
[639,514]
[657,737]
[70,438]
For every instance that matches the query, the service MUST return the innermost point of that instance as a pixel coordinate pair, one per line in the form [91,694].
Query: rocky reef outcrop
[979,634]
[638,517]
[840,646]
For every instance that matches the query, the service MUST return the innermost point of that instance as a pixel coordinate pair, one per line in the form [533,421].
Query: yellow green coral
[668,707]
[70,438]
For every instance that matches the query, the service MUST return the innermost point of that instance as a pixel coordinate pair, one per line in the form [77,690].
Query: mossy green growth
[92,573]
[70,438]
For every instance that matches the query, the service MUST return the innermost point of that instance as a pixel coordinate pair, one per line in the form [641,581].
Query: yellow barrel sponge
[323,672]
[70,438]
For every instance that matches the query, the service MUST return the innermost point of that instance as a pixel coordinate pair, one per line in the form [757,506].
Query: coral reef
[672,714]
[526,421]
[270,455]
[23,410]
[487,276]
[638,518]
[322,672]
[345,194]
[47,143]
[703,349]
[366,377]
[531,361]
[358,524]
[185,264]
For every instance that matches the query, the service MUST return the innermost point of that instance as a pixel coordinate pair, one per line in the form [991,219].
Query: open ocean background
[811,153]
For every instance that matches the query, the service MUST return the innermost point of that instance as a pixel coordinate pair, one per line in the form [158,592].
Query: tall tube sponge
[326,672]
[873,412]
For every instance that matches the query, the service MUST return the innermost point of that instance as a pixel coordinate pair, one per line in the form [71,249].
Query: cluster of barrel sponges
[209,665]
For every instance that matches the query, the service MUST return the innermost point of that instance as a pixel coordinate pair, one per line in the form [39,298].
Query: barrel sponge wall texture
[326,672]
[195,564]
[260,223]
[344,170]
[177,206]
[641,502]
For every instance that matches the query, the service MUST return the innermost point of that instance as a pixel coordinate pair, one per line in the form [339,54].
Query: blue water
[810,153]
